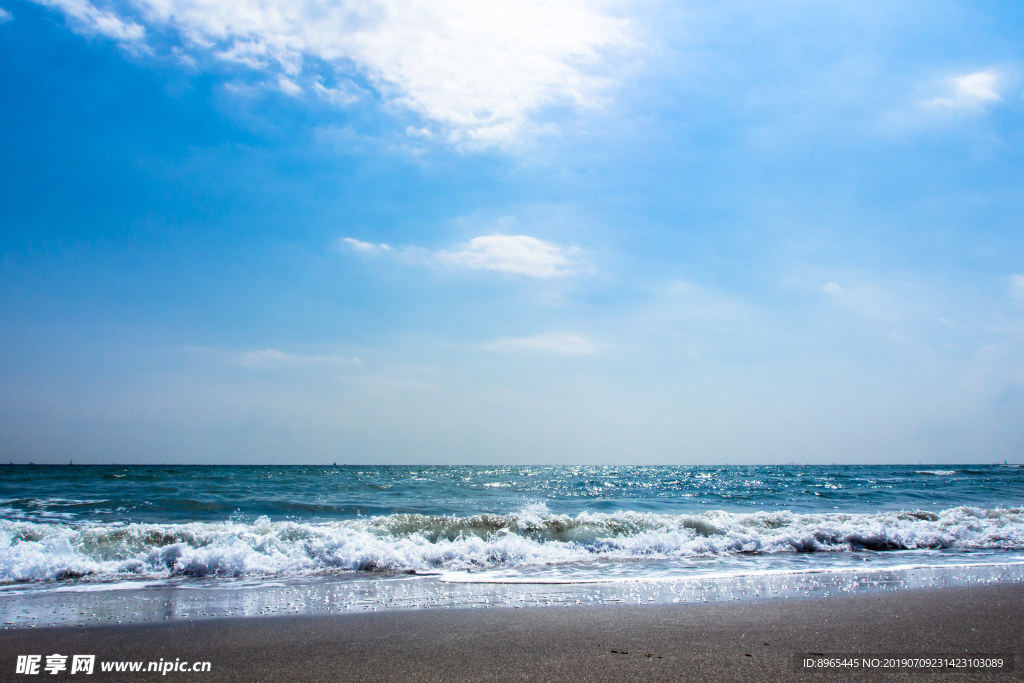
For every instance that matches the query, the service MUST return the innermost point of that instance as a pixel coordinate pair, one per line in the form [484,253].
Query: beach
[749,640]
[511,573]
[399,340]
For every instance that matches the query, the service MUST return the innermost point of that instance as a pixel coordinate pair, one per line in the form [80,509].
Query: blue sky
[528,232]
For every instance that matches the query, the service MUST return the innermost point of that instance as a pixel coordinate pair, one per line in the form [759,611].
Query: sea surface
[243,540]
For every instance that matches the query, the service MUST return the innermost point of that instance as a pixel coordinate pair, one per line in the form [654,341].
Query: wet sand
[737,641]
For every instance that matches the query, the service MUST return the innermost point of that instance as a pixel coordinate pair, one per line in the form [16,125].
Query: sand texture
[737,641]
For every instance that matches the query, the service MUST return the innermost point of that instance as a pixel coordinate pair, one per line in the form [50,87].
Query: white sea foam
[462,577]
[533,536]
[937,473]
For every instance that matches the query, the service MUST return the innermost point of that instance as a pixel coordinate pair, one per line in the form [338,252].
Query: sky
[431,231]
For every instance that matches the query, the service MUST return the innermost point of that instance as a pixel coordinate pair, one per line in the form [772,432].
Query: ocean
[86,544]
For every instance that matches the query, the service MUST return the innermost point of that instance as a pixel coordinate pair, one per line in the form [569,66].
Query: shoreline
[731,641]
[161,602]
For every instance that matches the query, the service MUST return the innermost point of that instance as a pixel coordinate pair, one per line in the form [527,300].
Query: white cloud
[1017,288]
[565,343]
[515,254]
[5,15]
[88,18]
[833,289]
[289,87]
[970,91]
[519,254]
[247,53]
[339,96]
[479,71]
[363,247]
[272,357]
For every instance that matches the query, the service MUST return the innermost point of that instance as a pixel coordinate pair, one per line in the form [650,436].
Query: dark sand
[737,641]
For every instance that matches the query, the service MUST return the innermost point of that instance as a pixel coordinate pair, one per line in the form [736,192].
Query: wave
[533,536]
[937,473]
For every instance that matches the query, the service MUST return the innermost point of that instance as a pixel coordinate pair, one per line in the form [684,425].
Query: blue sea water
[427,532]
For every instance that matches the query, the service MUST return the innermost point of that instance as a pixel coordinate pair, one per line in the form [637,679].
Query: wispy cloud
[5,15]
[515,254]
[479,71]
[363,247]
[273,357]
[969,91]
[340,96]
[289,87]
[87,18]
[519,254]
[565,343]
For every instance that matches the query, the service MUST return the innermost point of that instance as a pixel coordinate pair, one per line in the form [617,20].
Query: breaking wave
[55,551]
